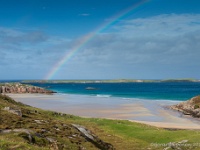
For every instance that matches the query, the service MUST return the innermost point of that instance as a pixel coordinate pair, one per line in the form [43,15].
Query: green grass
[126,134]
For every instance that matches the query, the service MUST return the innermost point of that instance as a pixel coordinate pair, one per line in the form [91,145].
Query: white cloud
[28,48]
[164,42]
[84,14]
[144,38]
[171,24]
[12,36]
[154,47]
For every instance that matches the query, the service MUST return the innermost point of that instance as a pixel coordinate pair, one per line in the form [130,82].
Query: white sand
[143,111]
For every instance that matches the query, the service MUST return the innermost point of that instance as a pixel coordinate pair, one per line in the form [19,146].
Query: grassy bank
[44,125]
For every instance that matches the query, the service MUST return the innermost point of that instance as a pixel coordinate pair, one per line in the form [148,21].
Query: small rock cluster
[30,136]
[21,88]
[190,107]
[14,111]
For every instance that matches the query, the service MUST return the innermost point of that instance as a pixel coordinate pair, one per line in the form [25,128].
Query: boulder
[93,138]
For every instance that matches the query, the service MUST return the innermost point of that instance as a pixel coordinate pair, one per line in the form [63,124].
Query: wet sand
[144,111]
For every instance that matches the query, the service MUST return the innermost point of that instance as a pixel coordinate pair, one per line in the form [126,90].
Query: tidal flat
[151,112]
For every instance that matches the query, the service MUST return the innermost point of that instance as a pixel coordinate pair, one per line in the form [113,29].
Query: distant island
[111,81]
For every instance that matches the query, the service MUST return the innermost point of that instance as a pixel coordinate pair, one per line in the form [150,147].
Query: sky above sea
[99,39]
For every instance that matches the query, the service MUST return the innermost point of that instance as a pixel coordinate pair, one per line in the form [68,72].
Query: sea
[175,91]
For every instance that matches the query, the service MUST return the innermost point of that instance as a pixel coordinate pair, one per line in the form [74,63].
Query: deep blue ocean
[149,91]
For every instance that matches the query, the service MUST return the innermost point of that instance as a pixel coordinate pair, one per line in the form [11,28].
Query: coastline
[145,111]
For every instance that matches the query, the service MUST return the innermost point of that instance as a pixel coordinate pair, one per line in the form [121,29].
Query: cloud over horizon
[160,40]
[160,46]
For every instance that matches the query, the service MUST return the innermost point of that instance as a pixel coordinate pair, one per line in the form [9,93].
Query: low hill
[31,128]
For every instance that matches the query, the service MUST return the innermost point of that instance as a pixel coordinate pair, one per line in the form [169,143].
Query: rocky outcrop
[190,107]
[22,88]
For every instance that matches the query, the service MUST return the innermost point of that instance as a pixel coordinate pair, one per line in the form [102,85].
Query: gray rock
[92,138]
[13,111]
[3,89]
[6,131]
[38,121]
[51,140]
[85,132]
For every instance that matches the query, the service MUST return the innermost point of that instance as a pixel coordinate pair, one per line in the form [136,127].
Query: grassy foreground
[123,135]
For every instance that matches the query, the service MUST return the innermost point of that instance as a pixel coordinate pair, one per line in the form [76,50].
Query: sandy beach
[143,111]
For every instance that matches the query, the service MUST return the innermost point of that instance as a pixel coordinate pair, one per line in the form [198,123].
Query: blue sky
[157,40]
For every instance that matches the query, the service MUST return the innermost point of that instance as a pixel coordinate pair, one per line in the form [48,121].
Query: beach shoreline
[145,111]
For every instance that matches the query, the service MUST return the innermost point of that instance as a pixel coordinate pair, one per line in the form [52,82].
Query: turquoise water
[151,91]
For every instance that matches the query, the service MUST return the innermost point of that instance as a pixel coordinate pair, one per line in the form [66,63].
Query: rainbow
[85,39]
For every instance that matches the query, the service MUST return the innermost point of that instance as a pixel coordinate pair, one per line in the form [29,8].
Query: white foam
[113,98]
